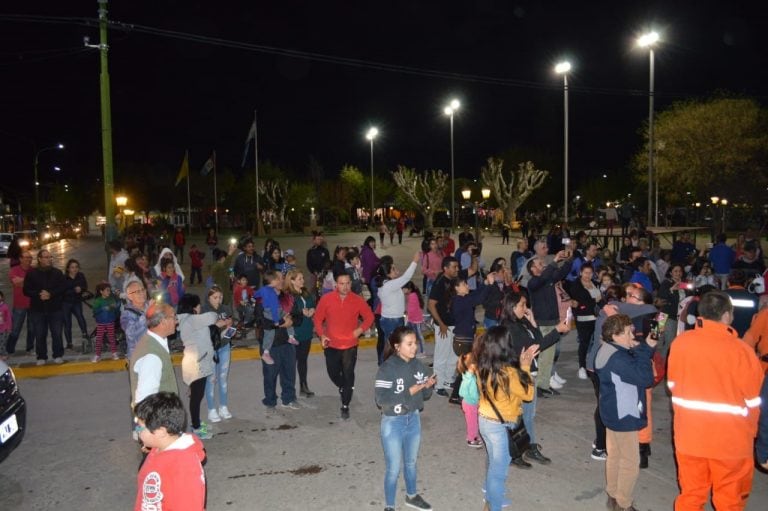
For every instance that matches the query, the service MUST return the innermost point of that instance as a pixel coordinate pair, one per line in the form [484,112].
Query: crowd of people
[641,314]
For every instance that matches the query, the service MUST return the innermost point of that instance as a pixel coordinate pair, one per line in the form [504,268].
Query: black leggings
[599,426]
[341,369]
[585,330]
[196,394]
[302,354]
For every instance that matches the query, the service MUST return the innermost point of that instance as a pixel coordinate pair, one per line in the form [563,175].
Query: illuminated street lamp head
[57,169]
[121,201]
[452,107]
[486,193]
[563,67]
[715,199]
[648,39]
[724,202]
[60,146]
[466,193]
[372,132]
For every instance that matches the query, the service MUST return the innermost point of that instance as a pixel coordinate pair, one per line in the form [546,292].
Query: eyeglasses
[142,290]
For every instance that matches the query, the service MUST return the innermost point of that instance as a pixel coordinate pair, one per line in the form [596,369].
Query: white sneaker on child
[224,413]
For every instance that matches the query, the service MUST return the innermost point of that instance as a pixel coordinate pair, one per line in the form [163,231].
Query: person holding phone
[402,386]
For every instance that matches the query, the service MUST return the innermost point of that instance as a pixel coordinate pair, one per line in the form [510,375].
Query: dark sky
[169,95]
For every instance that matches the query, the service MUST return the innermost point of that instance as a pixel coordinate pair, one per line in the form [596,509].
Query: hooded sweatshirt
[198,350]
[173,479]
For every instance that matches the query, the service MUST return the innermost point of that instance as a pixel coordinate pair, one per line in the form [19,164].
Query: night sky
[169,95]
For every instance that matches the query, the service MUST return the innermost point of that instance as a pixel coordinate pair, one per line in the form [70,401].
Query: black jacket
[541,289]
[51,280]
[317,257]
[70,296]
[524,336]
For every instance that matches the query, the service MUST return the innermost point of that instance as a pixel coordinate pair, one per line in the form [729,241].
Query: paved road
[78,455]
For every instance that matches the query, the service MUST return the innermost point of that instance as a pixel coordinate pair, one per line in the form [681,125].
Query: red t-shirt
[20,301]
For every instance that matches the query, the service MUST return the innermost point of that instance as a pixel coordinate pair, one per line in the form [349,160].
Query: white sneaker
[553,383]
[559,379]
[40,362]
[95,358]
[582,373]
[58,360]
[213,415]
[224,413]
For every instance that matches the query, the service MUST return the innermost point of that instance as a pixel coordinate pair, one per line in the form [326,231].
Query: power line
[333,59]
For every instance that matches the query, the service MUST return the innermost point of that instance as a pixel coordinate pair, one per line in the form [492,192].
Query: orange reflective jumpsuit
[757,336]
[715,381]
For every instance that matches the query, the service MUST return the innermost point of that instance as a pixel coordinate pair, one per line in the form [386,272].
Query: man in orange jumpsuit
[715,380]
[757,336]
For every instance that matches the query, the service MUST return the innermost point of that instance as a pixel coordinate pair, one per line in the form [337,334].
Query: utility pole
[110,230]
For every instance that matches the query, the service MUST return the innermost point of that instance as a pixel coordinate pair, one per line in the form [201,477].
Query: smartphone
[569,316]
[653,327]
[566,241]
[229,333]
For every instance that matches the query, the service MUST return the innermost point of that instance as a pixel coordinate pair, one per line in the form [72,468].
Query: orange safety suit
[757,337]
[715,381]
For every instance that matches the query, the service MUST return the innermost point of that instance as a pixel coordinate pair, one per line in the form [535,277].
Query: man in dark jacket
[317,259]
[249,263]
[45,285]
[544,302]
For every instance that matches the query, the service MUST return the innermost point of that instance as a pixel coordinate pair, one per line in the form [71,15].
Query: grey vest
[149,346]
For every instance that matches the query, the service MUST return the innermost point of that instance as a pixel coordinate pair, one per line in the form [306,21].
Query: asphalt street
[78,454]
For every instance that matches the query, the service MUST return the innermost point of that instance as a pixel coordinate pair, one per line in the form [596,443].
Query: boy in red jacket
[196,256]
[172,476]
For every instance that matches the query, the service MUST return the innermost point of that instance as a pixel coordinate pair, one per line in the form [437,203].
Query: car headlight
[47,235]
[24,243]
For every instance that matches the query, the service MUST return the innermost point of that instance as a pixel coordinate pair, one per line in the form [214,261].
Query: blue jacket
[624,375]
[761,446]
[722,257]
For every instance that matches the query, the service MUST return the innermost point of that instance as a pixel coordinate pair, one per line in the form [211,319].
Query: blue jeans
[529,416]
[284,367]
[400,438]
[419,337]
[496,441]
[41,323]
[18,316]
[220,377]
[389,325]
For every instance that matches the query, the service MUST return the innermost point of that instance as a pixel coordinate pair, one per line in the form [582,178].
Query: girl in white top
[390,293]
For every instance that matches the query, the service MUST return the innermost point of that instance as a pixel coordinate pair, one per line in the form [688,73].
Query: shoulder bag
[519,439]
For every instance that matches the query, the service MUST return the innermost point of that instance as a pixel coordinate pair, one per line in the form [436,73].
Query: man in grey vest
[151,369]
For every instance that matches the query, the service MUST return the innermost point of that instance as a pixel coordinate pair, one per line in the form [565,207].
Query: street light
[647,41]
[449,110]
[466,195]
[37,181]
[563,68]
[372,132]
[121,201]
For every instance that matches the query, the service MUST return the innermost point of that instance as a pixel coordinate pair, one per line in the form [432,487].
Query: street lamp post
[371,135]
[121,201]
[647,41]
[449,110]
[466,195]
[36,163]
[563,68]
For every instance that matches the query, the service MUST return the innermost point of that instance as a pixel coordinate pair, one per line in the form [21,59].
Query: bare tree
[276,194]
[425,191]
[512,191]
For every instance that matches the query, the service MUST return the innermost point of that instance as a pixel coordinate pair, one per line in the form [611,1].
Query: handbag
[462,345]
[519,439]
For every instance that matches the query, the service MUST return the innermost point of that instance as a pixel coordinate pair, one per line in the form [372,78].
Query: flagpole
[215,197]
[256,158]
[189,212]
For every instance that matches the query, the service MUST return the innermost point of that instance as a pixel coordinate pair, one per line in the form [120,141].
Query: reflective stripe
[754,402]
[670,384]
[710,407]
[741,302]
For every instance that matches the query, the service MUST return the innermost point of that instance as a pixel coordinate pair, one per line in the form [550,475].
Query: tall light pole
[371,135]
[449,110]
[37,181]
[647,41]
[563,68]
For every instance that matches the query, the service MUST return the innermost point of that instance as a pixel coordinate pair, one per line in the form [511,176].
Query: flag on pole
[251,136]
[184,170]
[207,166]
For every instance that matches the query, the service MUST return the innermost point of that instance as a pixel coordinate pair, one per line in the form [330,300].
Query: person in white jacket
[390,291]
[198,361]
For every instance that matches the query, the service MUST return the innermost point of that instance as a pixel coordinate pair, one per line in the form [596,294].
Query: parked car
[13,412]
[5,241]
